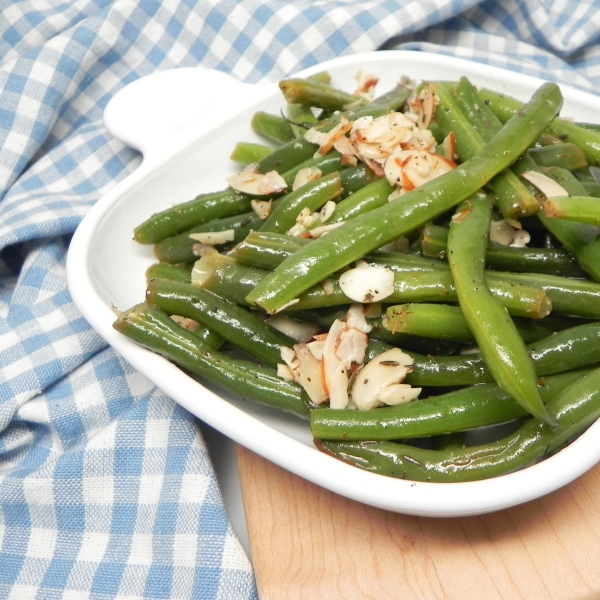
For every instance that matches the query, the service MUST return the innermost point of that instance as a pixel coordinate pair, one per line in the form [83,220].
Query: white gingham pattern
[106,489]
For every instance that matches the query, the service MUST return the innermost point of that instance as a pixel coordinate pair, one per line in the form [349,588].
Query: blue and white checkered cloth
[106,488]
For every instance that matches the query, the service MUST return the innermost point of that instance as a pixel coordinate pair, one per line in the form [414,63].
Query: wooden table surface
[309,543]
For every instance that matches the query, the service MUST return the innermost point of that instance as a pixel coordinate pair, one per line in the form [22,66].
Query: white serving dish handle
[163,112]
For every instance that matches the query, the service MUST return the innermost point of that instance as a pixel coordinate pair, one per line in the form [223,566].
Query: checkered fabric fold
[106,488]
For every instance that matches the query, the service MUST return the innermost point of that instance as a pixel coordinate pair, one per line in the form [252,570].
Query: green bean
[428,346]
[487,125]
[156,331]
[449,441]
[181,248]
[206,335]
[238,326]
[302,117]
[439,286]
[392,100]
[298,150]
[447,322]
[566,179]
[225,277]
[572,410]
[414,343]
[582,209]
[580,298]
[553,261]
[318,95]
[485,122]
[209,337]
[287,156]
[592,188]
[354,179]
[361,193]
[232,280]
[479,405]
[586,174]
[330,163]
[372,195]
[401,262]
[482,121]
[321,77]
[514,199]
[565,156]
[201,210]
[590,126]
[273,127]
[247,153]
[437,133]
[312,195]
[581,242]
[350,241]
[581,239]
[588,141]
[565,350]
[546,139]
[433,241]
[426,280]
[504,107]
[443,321]
[160,270]
[534,330]
[575,297]
[207,208]
[266,250]
[499,341]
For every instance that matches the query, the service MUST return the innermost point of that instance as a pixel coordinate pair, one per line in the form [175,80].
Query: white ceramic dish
[185,122]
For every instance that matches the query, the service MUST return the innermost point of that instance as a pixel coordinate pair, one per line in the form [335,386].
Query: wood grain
[309,543]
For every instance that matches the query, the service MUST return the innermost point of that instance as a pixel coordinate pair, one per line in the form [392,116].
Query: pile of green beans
[498,335]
